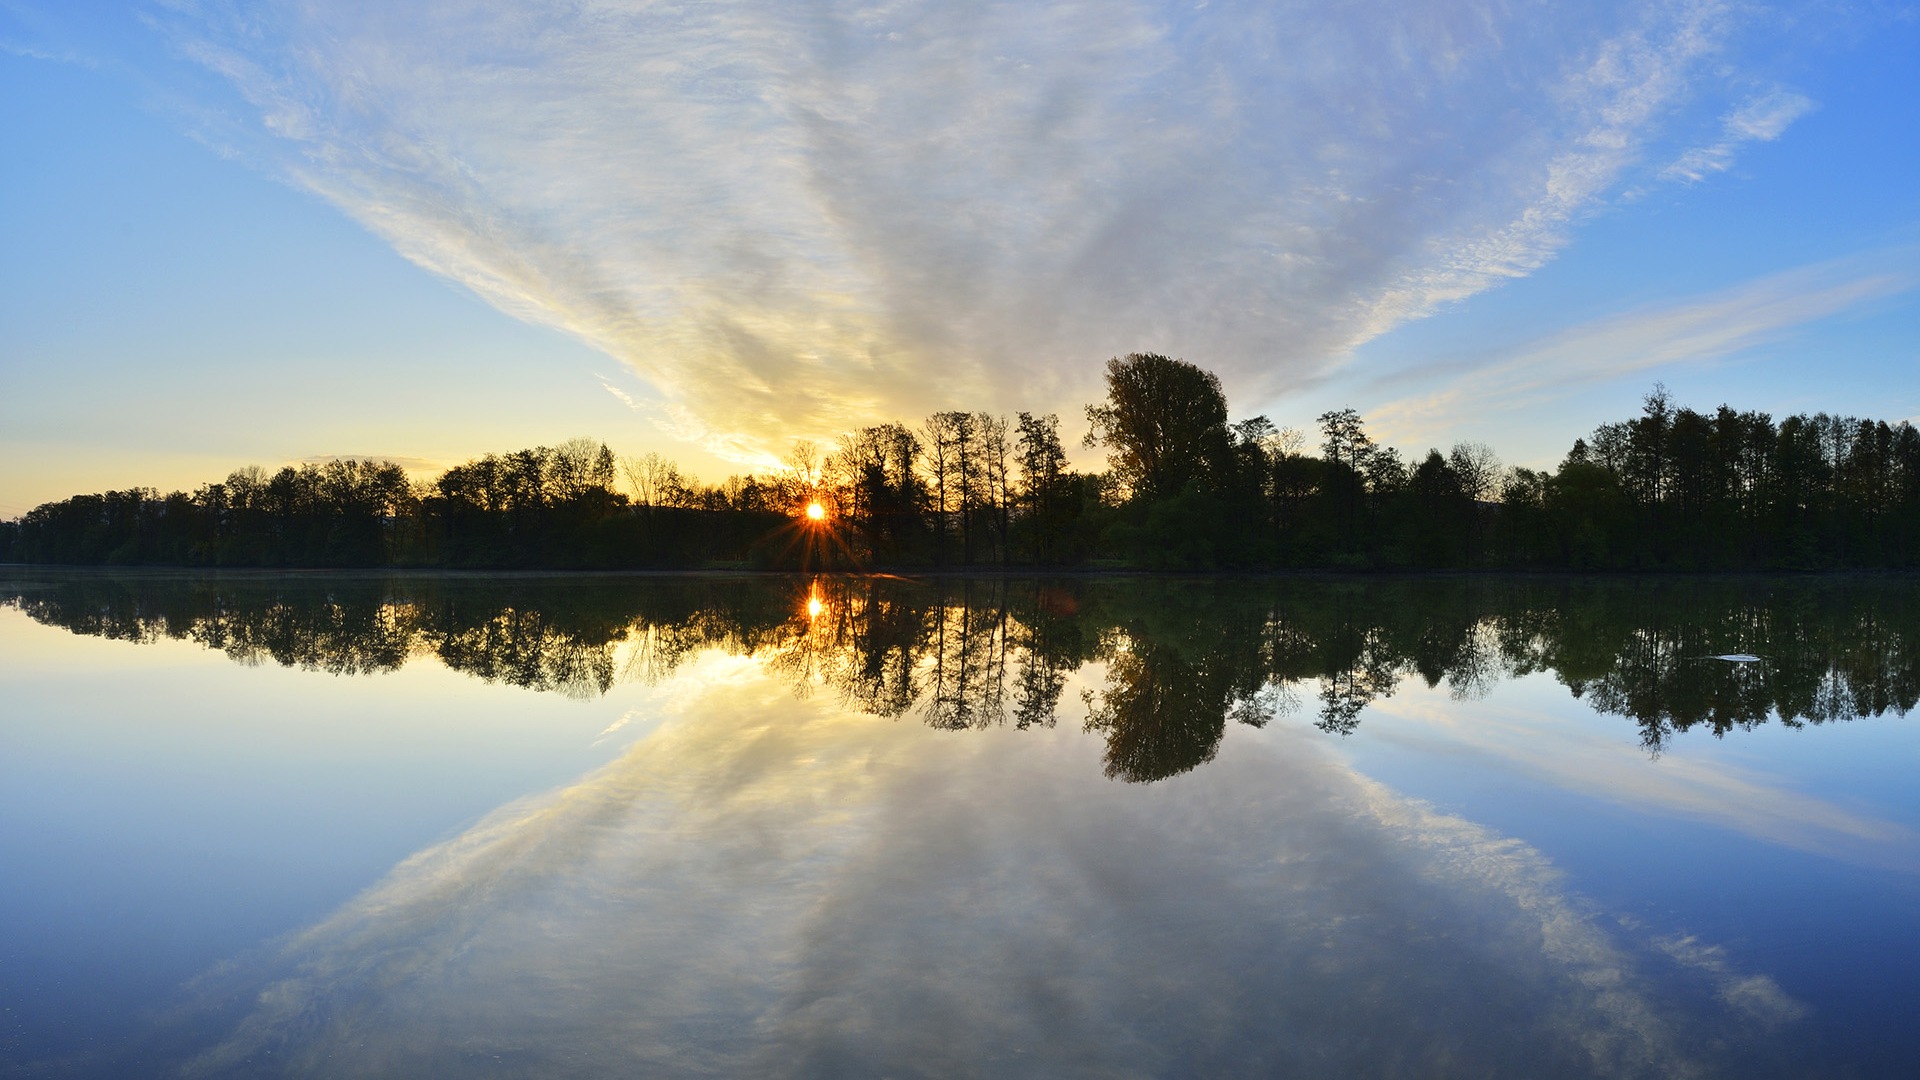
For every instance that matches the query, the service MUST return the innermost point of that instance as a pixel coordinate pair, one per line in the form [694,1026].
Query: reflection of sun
[814,607]
[816,512]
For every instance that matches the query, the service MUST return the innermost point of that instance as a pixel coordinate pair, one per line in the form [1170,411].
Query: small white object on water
[1736,657]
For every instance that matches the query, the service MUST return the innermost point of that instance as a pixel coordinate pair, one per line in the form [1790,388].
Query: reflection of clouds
[1727,795]
[771,886]
[1758,995]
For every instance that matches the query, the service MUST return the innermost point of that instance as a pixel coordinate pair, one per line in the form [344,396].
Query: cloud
[620,395]
[36,35]
[1763,119]
[1696,330]
[792,219]
[30,52]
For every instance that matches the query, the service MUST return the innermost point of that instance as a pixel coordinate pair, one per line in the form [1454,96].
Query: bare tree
[574,467]
[994,473]
[802,474]
[1480,474]
[963,431]
[943,474]
[1479,470]
[653,479]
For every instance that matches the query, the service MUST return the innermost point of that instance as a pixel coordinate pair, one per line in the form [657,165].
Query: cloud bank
[793,219]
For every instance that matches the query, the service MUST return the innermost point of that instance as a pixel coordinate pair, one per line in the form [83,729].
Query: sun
[816,512]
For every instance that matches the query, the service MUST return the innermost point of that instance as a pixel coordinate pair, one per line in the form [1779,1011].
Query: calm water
[445,826]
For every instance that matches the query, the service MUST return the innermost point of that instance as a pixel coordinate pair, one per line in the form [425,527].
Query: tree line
[1185,487]
[1180,661]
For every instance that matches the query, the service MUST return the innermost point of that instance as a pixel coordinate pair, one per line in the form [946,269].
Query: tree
[801,476]
[1349,451]
[653,479]
[1164,424]
[996,480]
[1042,463]
[875,468]
[1479,472]
[966,486]
[1343,440]
[1478,468]
[942,477]
[1441,511]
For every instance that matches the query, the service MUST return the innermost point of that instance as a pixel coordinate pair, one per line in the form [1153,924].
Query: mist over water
[790,826]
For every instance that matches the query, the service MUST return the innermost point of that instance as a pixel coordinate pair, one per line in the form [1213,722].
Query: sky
[279,231]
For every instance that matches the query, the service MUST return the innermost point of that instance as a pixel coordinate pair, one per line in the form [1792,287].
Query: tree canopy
[1164,424]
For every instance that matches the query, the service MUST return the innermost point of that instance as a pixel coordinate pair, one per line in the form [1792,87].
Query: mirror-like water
[387,825]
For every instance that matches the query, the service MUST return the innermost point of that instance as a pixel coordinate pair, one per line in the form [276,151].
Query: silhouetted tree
[1164,423]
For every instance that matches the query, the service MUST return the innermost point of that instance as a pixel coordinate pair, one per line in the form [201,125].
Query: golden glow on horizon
[816,512]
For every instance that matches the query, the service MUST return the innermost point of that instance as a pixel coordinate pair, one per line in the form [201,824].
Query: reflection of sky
[1592,756]
[768,885]
[162,807]
[1795,846]
[726,877]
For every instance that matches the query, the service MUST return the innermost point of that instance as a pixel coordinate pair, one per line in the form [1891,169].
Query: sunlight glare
[816,512]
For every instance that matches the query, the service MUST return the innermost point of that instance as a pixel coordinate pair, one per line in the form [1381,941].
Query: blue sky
[263,233]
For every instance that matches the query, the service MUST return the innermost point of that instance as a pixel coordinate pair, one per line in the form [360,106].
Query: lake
[387,825]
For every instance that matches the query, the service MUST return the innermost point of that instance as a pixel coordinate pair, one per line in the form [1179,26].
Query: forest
[1184,488]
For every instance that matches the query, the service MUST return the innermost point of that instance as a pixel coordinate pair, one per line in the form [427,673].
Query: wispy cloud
[790,219]
[621,395]
[1695,330]
[1763,119]
[34,34]
[31,52]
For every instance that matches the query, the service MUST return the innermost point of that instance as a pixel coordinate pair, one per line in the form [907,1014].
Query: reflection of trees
[1830,651]
[558,635]
[1361,666]
[342,638]
[1049,642]
[1181,659]
[967,681]
[1157,714]
[955,652]
[346,631]
[864,642]
[524,648]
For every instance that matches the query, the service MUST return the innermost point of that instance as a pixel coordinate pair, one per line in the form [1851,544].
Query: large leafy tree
[1164,424]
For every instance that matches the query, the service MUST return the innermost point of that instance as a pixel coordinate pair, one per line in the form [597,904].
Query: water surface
[590,826]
